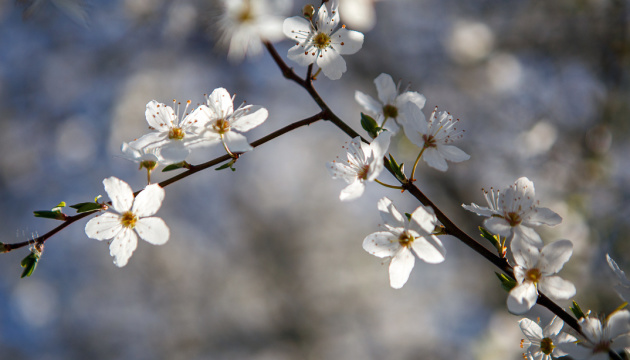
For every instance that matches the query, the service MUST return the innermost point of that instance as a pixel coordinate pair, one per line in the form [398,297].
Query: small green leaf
[176,166]
[227,165]
[399,170]
[57,215]
[507,283]
[370,125]
[87,206]
[577,311]
[29,263]
[408,215]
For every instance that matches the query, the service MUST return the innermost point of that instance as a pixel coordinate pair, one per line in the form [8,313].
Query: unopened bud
[308,11]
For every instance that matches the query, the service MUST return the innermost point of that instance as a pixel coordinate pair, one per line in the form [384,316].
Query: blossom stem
[226,148]
[415,164]
[389,186]
[148,177]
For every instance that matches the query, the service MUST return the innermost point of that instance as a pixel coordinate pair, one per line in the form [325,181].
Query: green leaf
[176,166]
[494,239]
[370,125]
[577,311]
[57,215]
[507,283]
[399,170]
[227,165]
[29,263]
[408,215]
[86,206]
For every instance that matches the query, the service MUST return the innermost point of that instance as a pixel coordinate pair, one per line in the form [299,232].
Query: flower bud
[308,11]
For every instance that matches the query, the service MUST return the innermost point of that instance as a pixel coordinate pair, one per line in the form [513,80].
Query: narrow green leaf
[29,263]
[57,215]
[577,311]
[172,167]
[408,215]
[227,165]
[370,125]
[506,282]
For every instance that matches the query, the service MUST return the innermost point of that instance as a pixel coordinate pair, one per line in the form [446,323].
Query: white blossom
[223,122]
[132,218]
[172,136]
[391,103]
[247,23]
[542,344]
[434,137]
[513,212]
[535,271]
[322,42]
[364,163]
[600,338]
[622,287]
[403,239]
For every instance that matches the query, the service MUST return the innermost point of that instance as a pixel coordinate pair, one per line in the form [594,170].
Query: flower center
[603,346]
[245,15]
[128,220]
[390,111]
[363,172]
[533,275]
[405,239]
[148,164]
[513,219]
[221,126]
[546,346]
[176,134]
[321,40]
[429,141]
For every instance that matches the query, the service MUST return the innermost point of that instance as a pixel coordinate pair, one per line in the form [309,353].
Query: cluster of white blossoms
[172,138]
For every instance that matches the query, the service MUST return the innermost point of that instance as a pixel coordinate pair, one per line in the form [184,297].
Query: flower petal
[479,210]
[331,63]
[389,213]
[425,219]
[531,330]
[554,327]
[434,159]
[525,254]
[556,287]
[120,193]
[296,28]
[429,249]
[553,256]
[159,116]
[381,244]
[123,246]
[352,191]
[498,226]
[522,298]
[453,153]
[220,102]
[400,268]
[104,226]
[372,106]
[148,201]
[153,230]
[346,42]
[301,55]
[236,142]
[543,216]
[250,117]
[411,96]
[386,89]
[618,324]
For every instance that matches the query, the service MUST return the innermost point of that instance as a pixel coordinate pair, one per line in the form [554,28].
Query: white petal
[618,324]
[553,256]
[123,246]
[381,244]
[120,193]
[425,218]
[414,122]
[148,201]
[153,230]
[527,234]
[104,226]
[174,152]
[525,187]
[434,159]
[254,116]
[525,254]
[341,171]
[479,210]
[389,213]
[453,153]
[411,96]
[151,140]
[301,55]
[429,249]
[380,145]
[352,191]
[556,287]
[296,28]
[554,327]
[159,116]
[220,102]
[544,216]
[592,329]
[236,142]
[400,268]
[372,106]
[531,330]
[386,89]
[346,42]
[498,226]
[522,298]
[332,64]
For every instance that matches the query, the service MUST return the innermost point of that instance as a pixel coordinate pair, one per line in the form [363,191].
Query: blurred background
[266,262]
